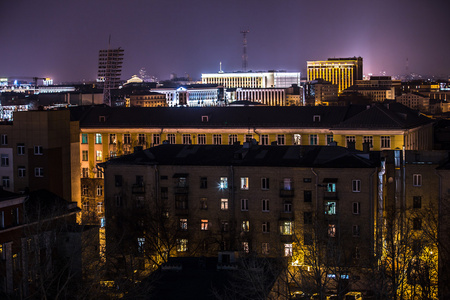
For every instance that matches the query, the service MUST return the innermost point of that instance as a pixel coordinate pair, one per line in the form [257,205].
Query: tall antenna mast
[244,50]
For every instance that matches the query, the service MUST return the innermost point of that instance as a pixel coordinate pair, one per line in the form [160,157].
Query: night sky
[61,38]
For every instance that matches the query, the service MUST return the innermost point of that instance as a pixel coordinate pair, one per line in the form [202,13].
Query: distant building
[321,92]
[191,95]
[341,71]
[414,101]
[150,99]
[109,70]
[270,79]
[267,96]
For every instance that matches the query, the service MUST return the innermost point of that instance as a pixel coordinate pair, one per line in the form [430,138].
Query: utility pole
[244,53]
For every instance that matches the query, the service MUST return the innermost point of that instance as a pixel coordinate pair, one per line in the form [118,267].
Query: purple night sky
[61,39]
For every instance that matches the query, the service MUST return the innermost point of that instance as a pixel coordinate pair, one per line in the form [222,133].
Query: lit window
[223,184]
[85,155]
[355,230]
[217,139]
[127,138]
[99,190]
[201,139]
[112,139]
[20,149]
[245,226]
[356,208]
[39,172]
[265,205]
[99,155]
[331,187]
[286,227]
[99,207]
[297,139]
[356,185]
[264,183]
[84,138]
[281,139]
[182,245]
[330,208]
[264,140]
[245,247]
[417,180]
[141,244]
[287,184]
[171,138]
[244,183]
[265,227]
[265,248]
[385,141]
[38,150]
[187,139]
[183,224]
[224,204]
[232,138]
[244,204]
[288,251]
[204,225]
[98,138]
[156,139]
[313,139]
[4,160]
[332,230]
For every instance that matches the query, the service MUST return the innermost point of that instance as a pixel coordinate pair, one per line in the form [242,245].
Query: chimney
[351,145]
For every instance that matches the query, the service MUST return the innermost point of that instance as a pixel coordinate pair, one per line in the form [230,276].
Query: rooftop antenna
[244,53]
[220,67]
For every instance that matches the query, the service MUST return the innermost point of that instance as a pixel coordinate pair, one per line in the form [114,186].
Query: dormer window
[205,119]
[102,119]
[316,118]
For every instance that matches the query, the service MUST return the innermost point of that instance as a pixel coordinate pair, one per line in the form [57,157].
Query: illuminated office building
[269,79]
[341,71]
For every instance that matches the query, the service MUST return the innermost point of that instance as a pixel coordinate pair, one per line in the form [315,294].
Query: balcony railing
[330,195]
[138,189]
[286,193]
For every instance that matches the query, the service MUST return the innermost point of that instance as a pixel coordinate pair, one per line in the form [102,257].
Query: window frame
[417,179]
[244,183]
[98,138]
[39,172]
[265,205]
[201,139]
[38,150]
[224,204]
[244,204]
[356,208]
[20,149]
[217,139]
[356,185]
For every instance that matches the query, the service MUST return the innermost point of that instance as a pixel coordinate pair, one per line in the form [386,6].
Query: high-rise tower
[341,71]
[109,71]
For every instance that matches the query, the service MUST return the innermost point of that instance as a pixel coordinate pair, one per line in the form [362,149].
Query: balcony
[286,192]
[138,189]
[179,189]
[330,195]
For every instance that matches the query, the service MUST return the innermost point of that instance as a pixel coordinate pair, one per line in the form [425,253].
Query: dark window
[139,180]
[164,193]
[307,239]
[417,224]
[307,196]
[203,182]
[164,177]
[307,217]
[118,180]
[307,180]
[417,202]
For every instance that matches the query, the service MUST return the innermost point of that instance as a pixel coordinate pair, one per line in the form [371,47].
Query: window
[224,226]
[286,227]
[244,183]
[417,202]
[85,172]
[117,180]
[287,207]
[38,150]
[181,201]
[331,187]
[4,160]
[20,149]
[217,139]
[264,140]
[98,138]
[307,196]
[141,244]
[307,180]
[356,185]
[350,140]
[355,230]
[265,205]
[171,138]
[139,201]
[330,208]
[288,250]
[266,227]
[385,141]
[223,184]
[141,139]
[232,138]
[330,139]
[187,139]
[332,230]
[201,139]
[244,204]
[245,247]
[4,139]
[99,207]
[264,183]
[204,203]
[112,139]
[99,155]
[84,190]
[183,224]
[281,139]
[5,181]
[307,217]
[417,224]
[112,154]
[265,248]
[204,225]
[99,190]
[224,204]
[307,239]
[369,140]
[182,245]
[85,155]
[98,173]
[203,182]
[297,139]
[156,140]
[245,226]
[417,180]
[356,208]
[21,172]
[313,139]
[204,119]
[248,138]
[84,138]
[356,253]
[118,198]
[38,172]
[287,184]
[127,138]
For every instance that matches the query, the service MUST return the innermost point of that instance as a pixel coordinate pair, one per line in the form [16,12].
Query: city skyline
[61,41]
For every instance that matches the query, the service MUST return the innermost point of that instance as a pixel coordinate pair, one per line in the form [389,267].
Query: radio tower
[244,50]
